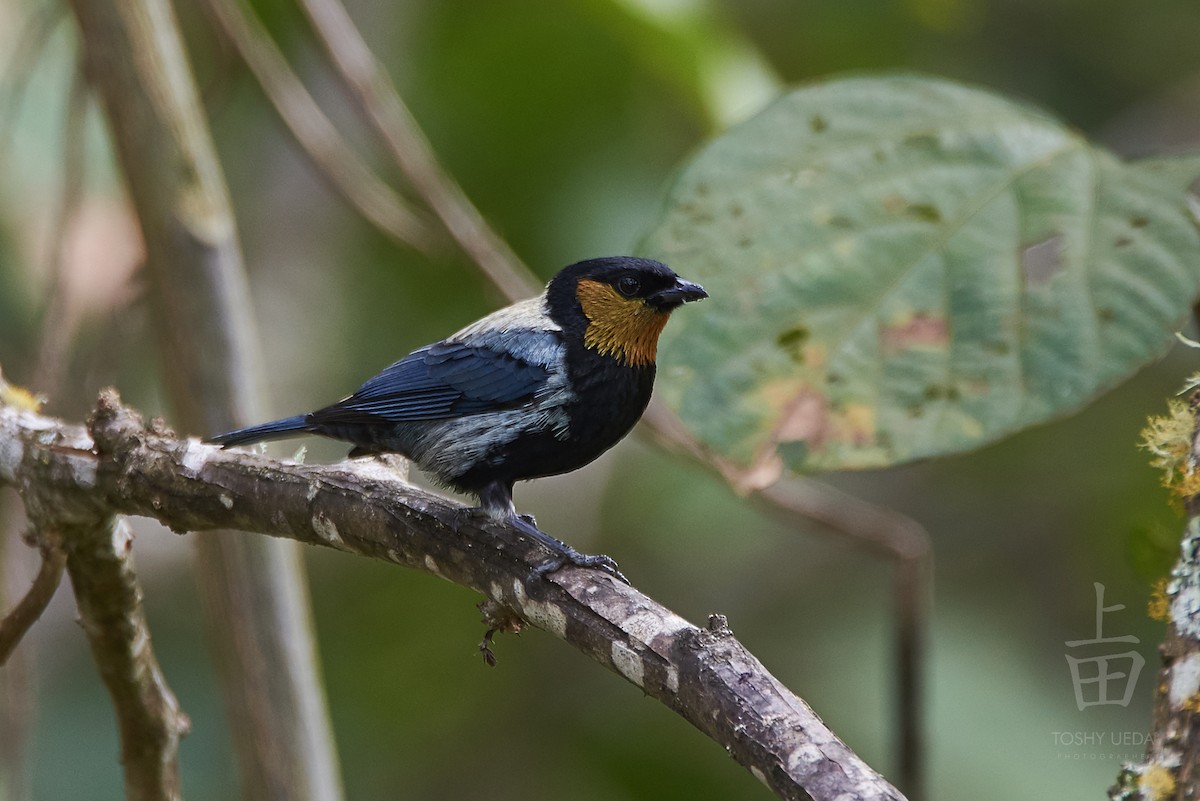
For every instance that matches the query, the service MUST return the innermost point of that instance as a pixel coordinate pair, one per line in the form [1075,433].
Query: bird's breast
[609,398]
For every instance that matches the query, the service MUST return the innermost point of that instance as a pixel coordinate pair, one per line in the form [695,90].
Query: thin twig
[372,88]
[906,544]
[883,531]
[22,616]
[18,690]
[315,132]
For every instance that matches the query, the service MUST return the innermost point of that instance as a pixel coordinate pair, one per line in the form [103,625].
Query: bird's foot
[565,554]
[597,561]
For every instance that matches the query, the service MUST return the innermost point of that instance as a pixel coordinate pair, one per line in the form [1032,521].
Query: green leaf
[903,267]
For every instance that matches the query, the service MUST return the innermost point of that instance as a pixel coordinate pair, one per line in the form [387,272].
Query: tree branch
[908,546]
[361,507]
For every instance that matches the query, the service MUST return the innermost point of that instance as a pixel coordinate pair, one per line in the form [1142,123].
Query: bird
[535,389]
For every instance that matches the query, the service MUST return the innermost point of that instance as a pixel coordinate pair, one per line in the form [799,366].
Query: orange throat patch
[624,328]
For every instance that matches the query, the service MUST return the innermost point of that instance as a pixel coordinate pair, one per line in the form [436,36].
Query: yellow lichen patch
[1169,440]
[1188,485]
[1192,704]
[625,328]
[1159,605]
[1157,783]
[20,397]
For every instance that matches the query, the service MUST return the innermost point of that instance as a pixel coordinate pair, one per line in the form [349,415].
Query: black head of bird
[538,388]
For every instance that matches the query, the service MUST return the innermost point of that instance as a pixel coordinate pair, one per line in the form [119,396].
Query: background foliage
[565,121]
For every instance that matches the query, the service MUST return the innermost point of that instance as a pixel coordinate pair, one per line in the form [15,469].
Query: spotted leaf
[903,267]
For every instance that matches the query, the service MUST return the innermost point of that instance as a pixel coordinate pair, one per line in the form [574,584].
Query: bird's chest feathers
[624,328]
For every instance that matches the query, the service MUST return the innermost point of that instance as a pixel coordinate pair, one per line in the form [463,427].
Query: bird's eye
[628,285]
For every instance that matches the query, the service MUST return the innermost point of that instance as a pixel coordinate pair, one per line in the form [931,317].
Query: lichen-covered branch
[1171,768]
[362,507]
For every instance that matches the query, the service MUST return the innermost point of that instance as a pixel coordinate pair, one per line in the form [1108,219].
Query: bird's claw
[564,554]
[597,561]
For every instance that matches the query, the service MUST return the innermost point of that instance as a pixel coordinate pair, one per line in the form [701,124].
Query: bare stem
[18,68]
[315,132]
[22,616]
[370,85]
[906,544]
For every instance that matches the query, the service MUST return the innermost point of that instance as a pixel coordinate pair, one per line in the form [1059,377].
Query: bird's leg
[496,501]
[565,554]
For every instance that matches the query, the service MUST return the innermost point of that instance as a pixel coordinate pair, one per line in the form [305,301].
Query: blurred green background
[564,120]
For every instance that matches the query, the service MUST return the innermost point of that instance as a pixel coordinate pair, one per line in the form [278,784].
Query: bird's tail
[276,429]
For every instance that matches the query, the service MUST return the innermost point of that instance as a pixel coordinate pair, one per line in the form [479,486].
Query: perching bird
[535,389]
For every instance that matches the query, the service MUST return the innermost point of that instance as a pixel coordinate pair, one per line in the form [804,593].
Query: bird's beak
[674,296]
